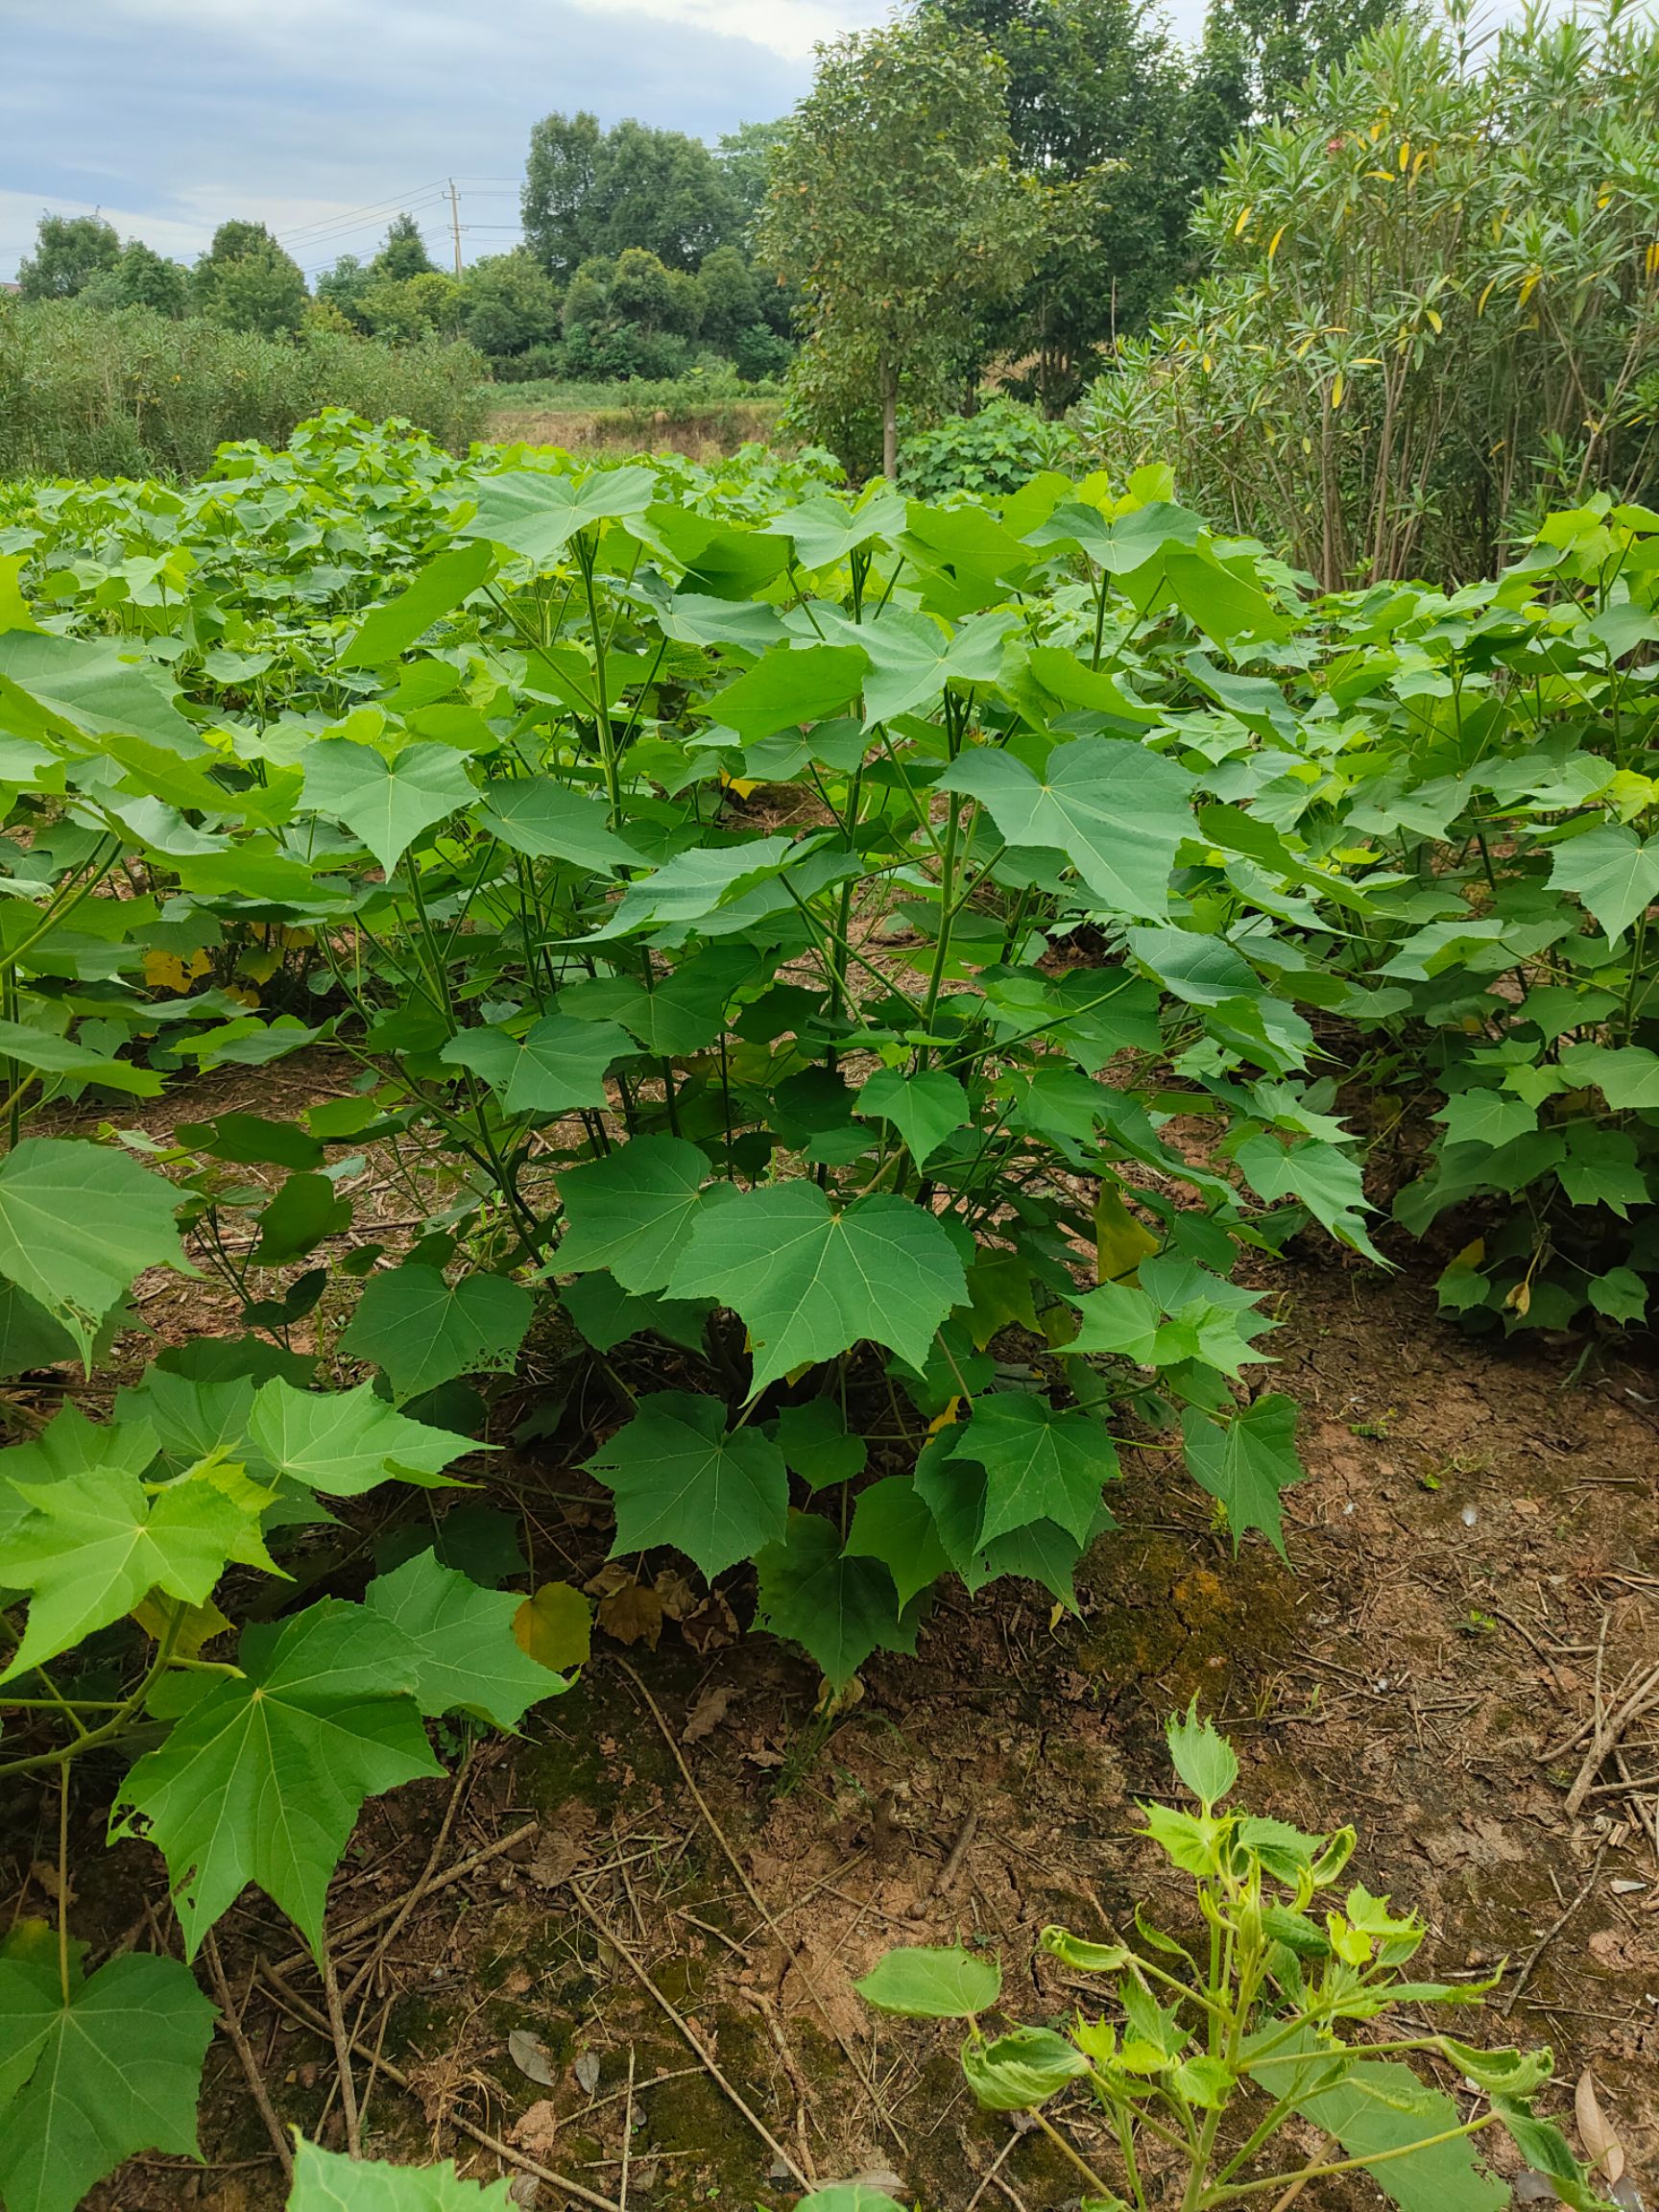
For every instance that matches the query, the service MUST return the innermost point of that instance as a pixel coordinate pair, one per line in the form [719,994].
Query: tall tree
[69,251]
[745,158]
[142,278]
[561,173]
[1096,110]
[247,282]
[1266,50]
[895,206]
[588,192]
[404,252]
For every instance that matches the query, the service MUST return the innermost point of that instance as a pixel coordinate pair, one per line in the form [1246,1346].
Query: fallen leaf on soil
[587,2072]
[529,2053]
[706,1714]
[556,1859]
[633,1614]
[524,2190]
[711,1627]
[676,1593]
[613,1576]
[537,2130]
[1602,2147]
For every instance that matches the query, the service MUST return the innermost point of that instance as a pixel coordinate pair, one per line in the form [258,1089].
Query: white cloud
[790,28]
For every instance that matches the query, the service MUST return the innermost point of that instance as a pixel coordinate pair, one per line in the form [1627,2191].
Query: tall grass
[85,392]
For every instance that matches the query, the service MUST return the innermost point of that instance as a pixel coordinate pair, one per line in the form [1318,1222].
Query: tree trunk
[889,421]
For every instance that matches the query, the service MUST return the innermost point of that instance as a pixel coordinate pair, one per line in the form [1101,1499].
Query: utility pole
[455,224]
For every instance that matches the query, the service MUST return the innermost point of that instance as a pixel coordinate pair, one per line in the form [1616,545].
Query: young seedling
[1201,2058]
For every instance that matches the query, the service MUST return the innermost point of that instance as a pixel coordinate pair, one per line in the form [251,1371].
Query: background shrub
[133,393]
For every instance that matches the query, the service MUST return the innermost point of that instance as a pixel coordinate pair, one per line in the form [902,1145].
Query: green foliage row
[131,393]
[870,1163]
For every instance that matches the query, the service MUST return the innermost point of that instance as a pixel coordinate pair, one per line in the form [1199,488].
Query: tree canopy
[895,206]
[69,251]
[590,191]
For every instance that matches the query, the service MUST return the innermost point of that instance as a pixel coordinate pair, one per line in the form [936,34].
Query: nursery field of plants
[722,1198]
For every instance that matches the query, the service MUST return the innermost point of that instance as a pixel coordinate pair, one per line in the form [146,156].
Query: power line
[359,216]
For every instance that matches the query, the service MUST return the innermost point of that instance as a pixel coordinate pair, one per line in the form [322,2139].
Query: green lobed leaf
[423,1331]
[1247,1461]
[1117,811]
[332,2182]
[466,1656]
[1040,1464]
[920,1982]
[632,1211]
[263,1775]
[78,1223]
[677,1478]
[924,1108]
[838,1608]
[88,2083]
[557,1066]
[388,631]
[809,1283]
[343,1442]
[386,804]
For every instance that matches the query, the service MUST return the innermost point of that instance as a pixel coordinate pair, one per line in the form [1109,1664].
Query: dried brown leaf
[632,1615]
[530,2055]
[706,1714]
[1601,2145]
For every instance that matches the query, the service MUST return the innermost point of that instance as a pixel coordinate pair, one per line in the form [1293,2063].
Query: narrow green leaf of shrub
[677,1478]
[1087,1957]
[920,1983]
[809,1283]
[114,2071]
[263,1776]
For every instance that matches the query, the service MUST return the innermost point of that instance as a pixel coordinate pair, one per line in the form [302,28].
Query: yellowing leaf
[744,785]
[946,1419]
[168,972]
[1120,1242]
[260,963]
[197,1624]
[1337,387]
[1434,319]
[555,1627]
[1244,214]
[1273,246]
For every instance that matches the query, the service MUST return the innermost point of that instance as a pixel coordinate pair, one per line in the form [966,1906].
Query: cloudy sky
[323,117]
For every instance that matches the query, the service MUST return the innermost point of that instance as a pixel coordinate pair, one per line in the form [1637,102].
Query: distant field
[692,417]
